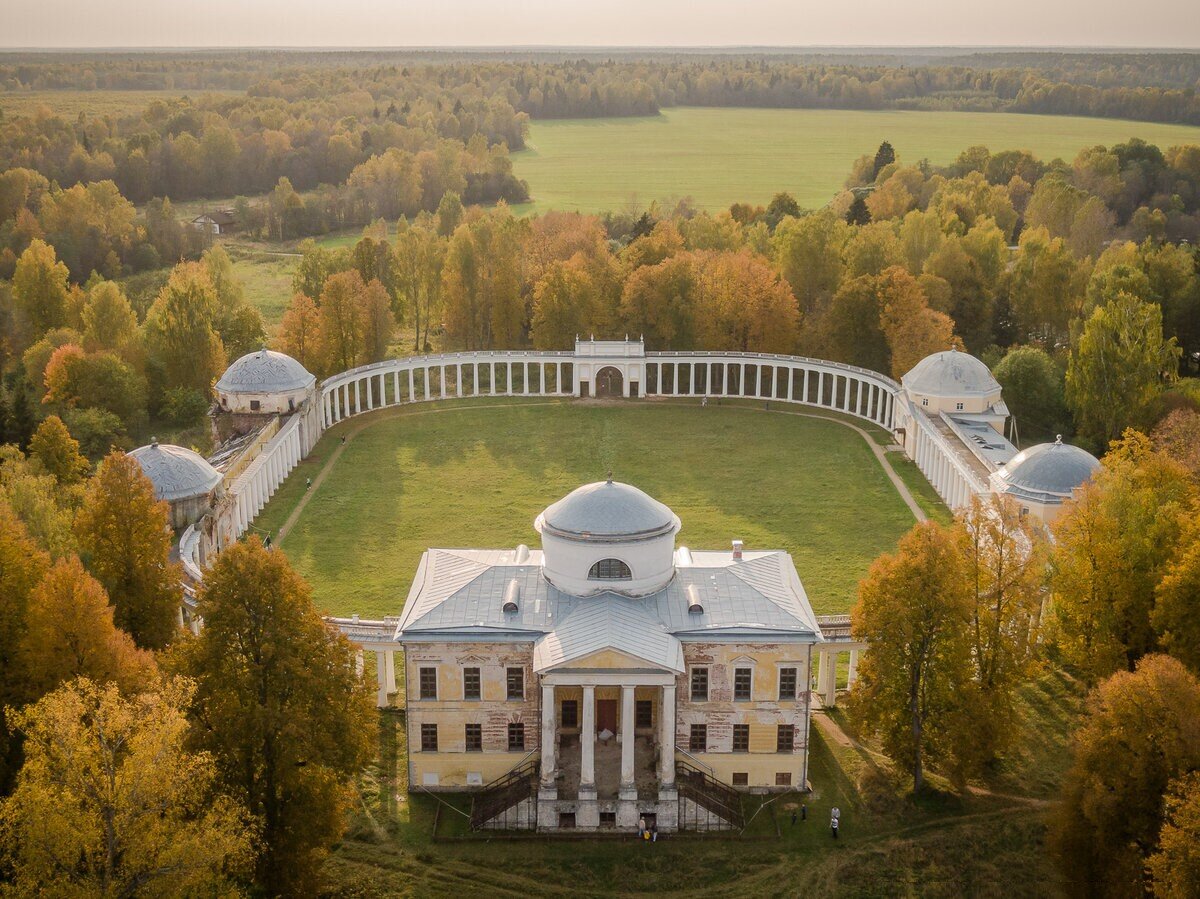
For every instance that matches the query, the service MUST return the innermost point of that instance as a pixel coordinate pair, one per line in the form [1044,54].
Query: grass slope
[722,156]
[455,475]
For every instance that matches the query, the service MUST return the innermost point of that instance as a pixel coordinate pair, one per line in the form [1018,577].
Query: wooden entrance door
[606,715]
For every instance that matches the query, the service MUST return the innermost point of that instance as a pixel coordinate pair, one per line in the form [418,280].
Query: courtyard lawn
[720,156]
[458,475]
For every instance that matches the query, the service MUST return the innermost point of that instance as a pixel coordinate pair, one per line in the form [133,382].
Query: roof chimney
[737,550]
[512,594]
[522,554]
[693,600]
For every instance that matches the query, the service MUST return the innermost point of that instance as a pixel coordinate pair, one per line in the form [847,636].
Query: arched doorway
[609,382]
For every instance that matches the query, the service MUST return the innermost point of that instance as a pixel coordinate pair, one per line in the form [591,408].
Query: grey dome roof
[1048,472]
[607,511]
[176,473]
[265,371]
[950,373]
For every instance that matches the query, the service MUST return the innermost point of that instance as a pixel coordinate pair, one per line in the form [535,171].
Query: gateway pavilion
[609,676]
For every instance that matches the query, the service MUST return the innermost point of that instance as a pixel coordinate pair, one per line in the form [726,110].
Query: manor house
[633,678]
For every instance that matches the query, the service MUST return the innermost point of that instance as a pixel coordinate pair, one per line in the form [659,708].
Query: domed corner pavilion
[264,382]
[608,676]
[181,478]
[1042,478]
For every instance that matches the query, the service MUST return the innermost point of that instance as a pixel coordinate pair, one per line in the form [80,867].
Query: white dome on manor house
[265,371]
[608,537]
[949,374]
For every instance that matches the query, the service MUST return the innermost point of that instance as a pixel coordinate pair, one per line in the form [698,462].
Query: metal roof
[950,373]
[612,622]
[1047,473]
[176,472]
[265,371]
[606,510]
[459,593]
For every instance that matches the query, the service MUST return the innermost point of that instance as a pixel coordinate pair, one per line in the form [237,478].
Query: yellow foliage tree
[57,452]
[110,803]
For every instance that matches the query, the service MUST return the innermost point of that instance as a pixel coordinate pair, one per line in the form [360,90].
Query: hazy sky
[409,23]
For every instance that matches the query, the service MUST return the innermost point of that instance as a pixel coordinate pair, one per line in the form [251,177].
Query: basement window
[741,779]
[608,819]
[783,779]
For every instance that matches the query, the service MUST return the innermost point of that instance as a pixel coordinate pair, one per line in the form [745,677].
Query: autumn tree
[237,323]
[658,302]
[1117,368]
[125,537]
[1178,435]
[40,289]
[23,564]
[180,330]
[69,632]
[1176,596]
[299,332]
[1033,390]
[1112,546]
[280,707]
[109,322]
[1044,286]
[57,452]
[574,298]
[110,802]
[1004,564]
[913,610]
[1139,735]
[742,304]
[419,255]
[884,157]
[1175,866]
[354,322]
[912,330]
[481,284]
[853,327]
[808,253]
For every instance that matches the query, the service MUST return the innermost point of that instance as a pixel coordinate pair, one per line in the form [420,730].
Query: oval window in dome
[610,570]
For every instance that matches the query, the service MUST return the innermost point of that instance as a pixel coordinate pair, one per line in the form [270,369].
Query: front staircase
[491,805]
[715,797]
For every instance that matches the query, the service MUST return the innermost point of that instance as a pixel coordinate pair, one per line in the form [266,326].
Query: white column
[822,663]
[804,388]
[508,367]
[442,380]
[390,664]
[549,725]
[458,369]
[666,765]
[357,396]
[358,663]
[628,783]
[370,394]
[381,697]
[396,387]
[492,378]
[587,742]
[412,388]
[852,676]
[829,692]
[787,390]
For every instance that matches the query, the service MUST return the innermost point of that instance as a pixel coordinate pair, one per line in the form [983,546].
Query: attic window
[958,406]
[255,405]
[924,401]
[610,570]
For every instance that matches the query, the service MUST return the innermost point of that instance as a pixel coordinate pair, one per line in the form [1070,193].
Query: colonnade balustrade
[419,379]
[791,379]
[261,478]
[940,462]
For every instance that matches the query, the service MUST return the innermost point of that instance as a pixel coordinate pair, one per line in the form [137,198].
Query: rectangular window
[471,683]
[958,406]
[698,738]
[644,713]
[783,779]
[570,713]
[741,684]
[516,684]
[741,738]
[787,683]
[516,738]
[429,738]
[741,779]
[786,740]
[429,683]
[255,405]
[699,685]
[474,738]
[608,819]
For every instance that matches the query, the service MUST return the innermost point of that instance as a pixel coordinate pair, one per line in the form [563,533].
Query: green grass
[722,156]
[70,103]
[267,282]
[457,475]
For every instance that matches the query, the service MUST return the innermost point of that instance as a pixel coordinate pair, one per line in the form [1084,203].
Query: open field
[461,475]
[722,156]
[69,104]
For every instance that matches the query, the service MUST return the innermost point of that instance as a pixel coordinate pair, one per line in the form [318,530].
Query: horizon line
[365,48]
